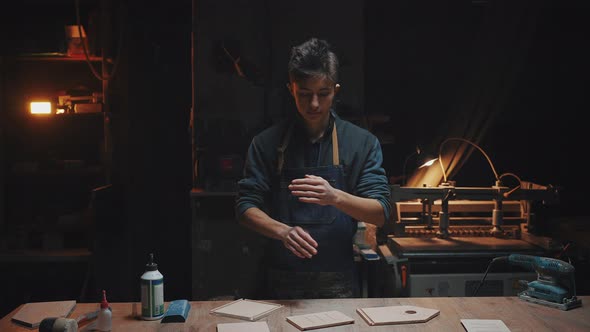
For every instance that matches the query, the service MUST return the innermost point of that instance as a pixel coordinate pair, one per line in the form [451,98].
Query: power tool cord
[503,258]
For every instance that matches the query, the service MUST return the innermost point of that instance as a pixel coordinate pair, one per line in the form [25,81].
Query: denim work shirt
[360,154]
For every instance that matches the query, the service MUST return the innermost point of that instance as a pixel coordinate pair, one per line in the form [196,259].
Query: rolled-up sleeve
[372,181]
[255,184]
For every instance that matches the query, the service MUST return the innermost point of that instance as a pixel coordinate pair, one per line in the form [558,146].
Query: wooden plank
[517,314]
[39,255]
[460,244]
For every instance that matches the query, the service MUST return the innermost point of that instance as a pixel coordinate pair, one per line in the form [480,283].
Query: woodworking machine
[442,238]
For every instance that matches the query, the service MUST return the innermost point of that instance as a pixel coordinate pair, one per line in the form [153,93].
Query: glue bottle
[152,291]
[360,236]
[104,321]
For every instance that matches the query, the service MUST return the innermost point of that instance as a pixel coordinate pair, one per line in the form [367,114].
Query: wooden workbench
[517,314]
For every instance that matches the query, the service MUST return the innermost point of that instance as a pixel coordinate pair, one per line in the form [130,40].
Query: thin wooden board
[319,320]
[418,244]
[31,314]
[246,309]
[401,314]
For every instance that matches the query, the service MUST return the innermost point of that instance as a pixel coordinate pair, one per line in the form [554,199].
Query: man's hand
[300,242]
[314,189]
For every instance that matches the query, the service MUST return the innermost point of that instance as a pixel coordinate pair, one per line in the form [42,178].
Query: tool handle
[543,265]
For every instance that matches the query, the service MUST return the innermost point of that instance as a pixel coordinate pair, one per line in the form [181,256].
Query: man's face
[313,98]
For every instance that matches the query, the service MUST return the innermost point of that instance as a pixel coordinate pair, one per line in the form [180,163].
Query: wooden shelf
[74,171]
[58,57]
[51,163]
[57,117]
[38,255]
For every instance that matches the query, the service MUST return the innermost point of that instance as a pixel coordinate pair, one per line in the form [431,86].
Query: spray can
[152,291]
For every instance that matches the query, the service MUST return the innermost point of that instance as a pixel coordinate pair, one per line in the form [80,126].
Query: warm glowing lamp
[40,107]
[429,162]
[423,159]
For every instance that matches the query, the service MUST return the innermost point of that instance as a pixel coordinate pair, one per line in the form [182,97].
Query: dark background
[509,75]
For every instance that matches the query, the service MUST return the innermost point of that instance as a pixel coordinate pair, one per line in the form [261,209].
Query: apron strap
[285,142]
[335,156]
[281,149]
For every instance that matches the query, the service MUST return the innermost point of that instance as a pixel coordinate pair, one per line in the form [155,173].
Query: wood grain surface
[517,314]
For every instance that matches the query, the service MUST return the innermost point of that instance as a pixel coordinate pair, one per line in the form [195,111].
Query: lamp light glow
[424,159]
[40,107]
[429,163]
[444,171]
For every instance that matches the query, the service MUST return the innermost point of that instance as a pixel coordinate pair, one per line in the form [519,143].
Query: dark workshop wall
[506,73]
[233,105]
[417,54]
[147,209]
[157,143]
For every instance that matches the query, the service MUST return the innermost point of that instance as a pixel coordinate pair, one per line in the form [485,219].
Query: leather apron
[330,273]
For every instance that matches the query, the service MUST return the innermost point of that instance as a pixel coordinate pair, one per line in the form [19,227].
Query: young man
[308,180]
